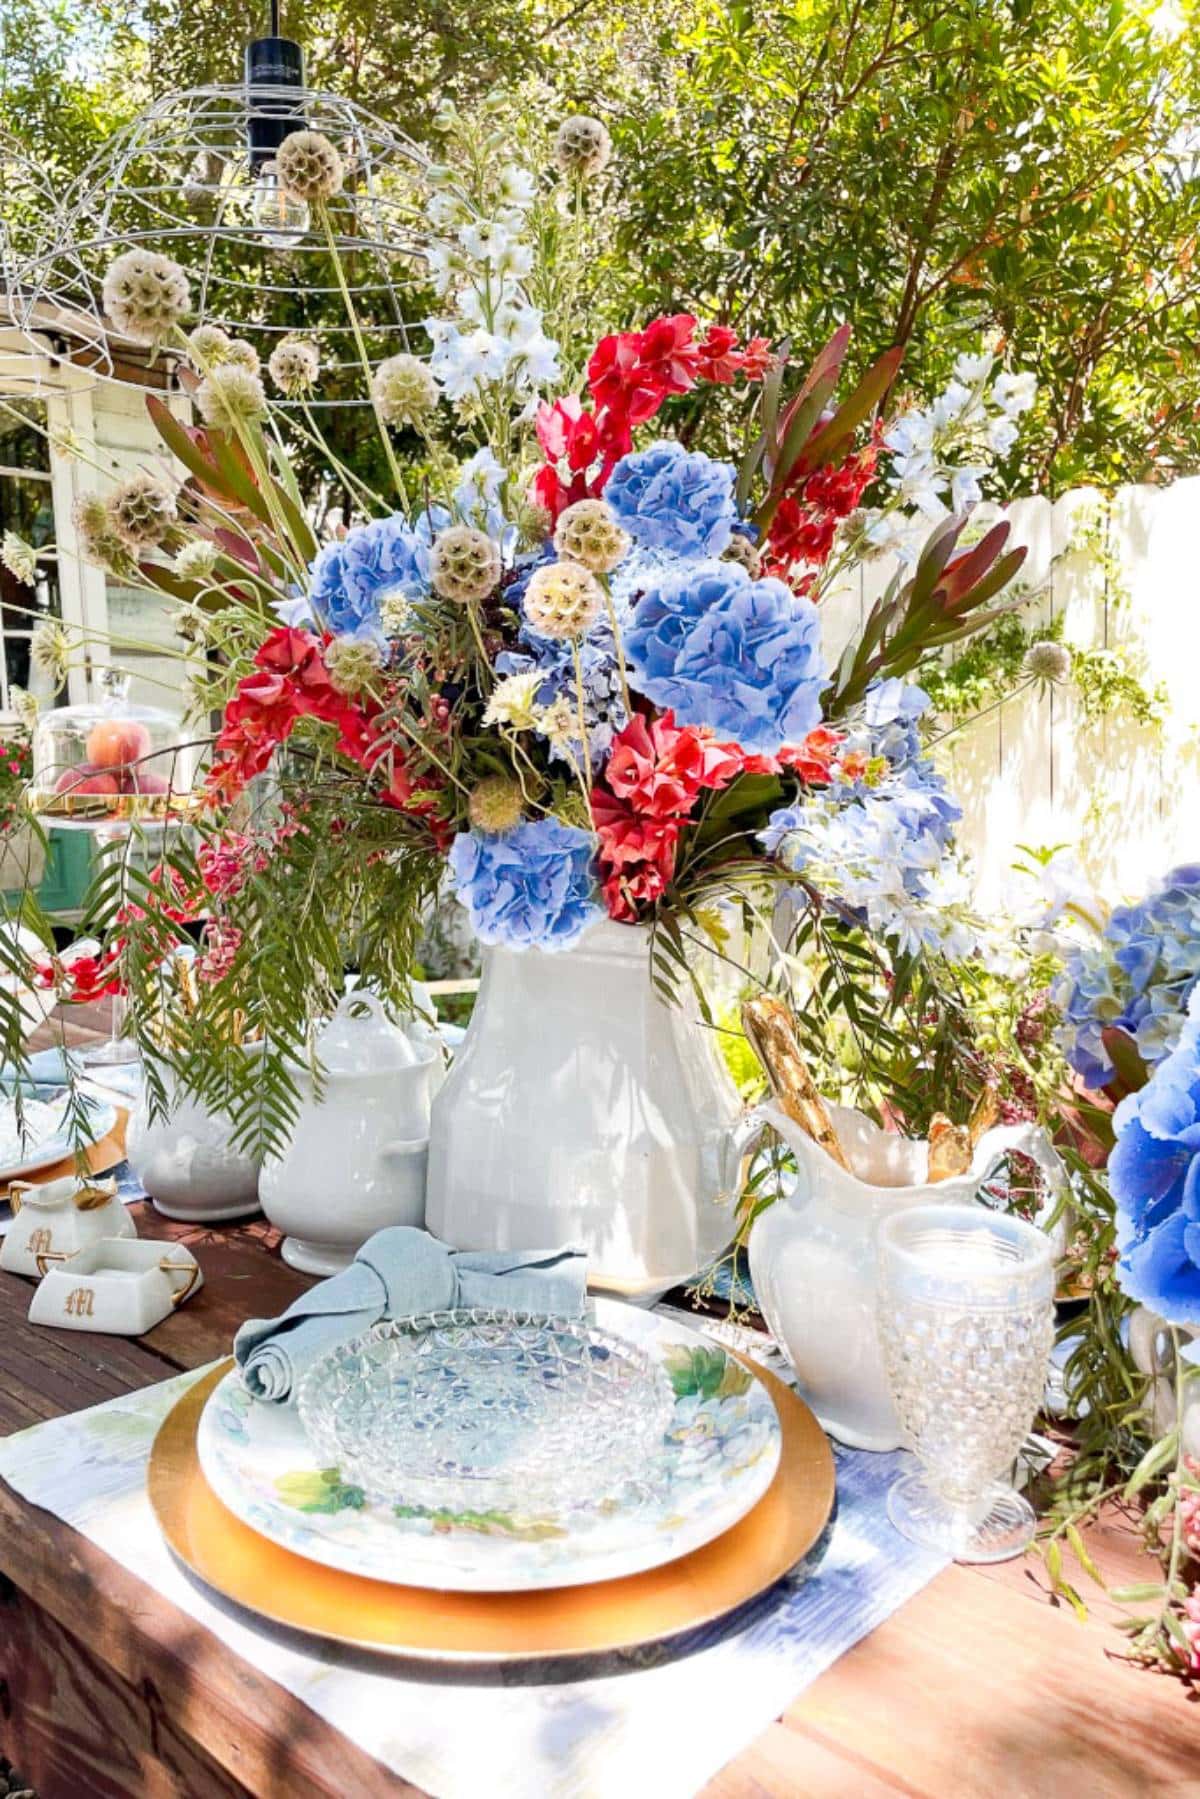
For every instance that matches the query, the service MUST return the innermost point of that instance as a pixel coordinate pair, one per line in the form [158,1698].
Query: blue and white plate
[51,1140]
[719,1455]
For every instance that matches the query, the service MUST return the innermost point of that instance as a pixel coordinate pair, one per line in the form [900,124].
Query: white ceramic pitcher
[813,1256]
[582,1108]
[355,1161]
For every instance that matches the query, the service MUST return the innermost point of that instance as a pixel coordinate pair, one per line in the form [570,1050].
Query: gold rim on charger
[664,1602]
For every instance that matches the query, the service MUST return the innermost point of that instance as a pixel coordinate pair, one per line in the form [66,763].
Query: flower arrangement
[568,663]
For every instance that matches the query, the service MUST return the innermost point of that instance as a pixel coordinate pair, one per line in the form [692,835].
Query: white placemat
[652,1723]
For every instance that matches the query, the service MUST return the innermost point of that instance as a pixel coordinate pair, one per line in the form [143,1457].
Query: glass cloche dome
[110,759]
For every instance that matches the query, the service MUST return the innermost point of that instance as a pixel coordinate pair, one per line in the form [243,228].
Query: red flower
[619,382]
[719,358]
[667,353]
[566,430]
[79,979]
[567,433]
[758,358]
[637,855]
[806,521]
[811,760]
[627,895]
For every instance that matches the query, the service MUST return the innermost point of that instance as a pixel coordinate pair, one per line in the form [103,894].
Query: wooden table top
[982,1685]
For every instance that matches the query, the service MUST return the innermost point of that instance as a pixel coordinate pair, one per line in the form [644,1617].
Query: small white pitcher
[813,1255]
[59,1218]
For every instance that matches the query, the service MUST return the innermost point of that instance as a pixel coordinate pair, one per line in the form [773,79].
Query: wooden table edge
[214,1694]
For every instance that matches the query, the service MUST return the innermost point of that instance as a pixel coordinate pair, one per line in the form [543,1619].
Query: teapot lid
[360,1038]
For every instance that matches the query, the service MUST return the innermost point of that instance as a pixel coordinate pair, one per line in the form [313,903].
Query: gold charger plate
[413,1621]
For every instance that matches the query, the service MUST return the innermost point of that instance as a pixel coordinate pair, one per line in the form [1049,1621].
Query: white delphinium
[490,335]
[941,456]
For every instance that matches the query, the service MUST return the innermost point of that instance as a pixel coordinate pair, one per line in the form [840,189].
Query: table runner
[660,1721]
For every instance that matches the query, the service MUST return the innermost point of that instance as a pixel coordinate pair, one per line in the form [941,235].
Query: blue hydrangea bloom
[879,841]
[1138,978]
[531,887]
[349,578]
[675,499]
[742,656]
[1154,1174]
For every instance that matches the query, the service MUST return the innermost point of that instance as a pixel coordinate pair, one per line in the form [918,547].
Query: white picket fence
[1035,771]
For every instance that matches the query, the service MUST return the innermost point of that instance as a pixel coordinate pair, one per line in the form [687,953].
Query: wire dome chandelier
[194,177]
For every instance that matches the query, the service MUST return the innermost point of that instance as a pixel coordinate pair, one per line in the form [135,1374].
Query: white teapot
[59,1218]
[356,1158]
[813,1255]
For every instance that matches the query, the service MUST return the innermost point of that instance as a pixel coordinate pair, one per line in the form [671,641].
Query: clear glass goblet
[966,1321]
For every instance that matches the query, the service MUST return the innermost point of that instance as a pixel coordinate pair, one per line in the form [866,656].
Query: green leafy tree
[939,167]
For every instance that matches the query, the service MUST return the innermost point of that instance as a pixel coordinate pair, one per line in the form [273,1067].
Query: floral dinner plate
[720,1452]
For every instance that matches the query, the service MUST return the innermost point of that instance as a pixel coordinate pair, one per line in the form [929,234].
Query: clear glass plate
[485,1411]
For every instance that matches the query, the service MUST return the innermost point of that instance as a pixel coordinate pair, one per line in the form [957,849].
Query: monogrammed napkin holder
[119,1285]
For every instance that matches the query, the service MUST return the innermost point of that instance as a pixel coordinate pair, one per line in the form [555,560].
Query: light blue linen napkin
[397,1273]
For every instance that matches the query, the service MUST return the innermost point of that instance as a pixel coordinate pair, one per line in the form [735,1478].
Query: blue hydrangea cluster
[674,499]
[742,656]
[1154,1175]
[878,839]
[1137,978]
[528,888]
[349,579]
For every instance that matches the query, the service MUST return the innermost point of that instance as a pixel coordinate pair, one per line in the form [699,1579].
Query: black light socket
[272,63]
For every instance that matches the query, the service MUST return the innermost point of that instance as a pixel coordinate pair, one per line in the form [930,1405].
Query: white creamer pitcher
[813,1255]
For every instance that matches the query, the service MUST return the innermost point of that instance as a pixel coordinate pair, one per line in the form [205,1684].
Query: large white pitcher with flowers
[813,1257]
[583,1109]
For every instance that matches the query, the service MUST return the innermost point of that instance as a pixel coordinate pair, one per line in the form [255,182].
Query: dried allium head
[190,623]
[19,558]
[50,651]
[197,560]
[1047,661]
[495,804]
[353,663]
[231,396]
[404,391]
[740,549]
[562,600]
[145,295]
[582,146]
[464,564]
[97,537]
[142,510]
[242,355]
[208,346]
[588,532]
[294,365]
[309,166]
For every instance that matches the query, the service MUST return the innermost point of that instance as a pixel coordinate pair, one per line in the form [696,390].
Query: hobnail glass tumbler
[966,1321]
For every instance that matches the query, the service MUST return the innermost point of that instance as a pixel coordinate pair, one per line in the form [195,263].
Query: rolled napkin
[398,1273]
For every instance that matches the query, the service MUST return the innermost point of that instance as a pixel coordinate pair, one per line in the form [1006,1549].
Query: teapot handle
[1032,1141]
